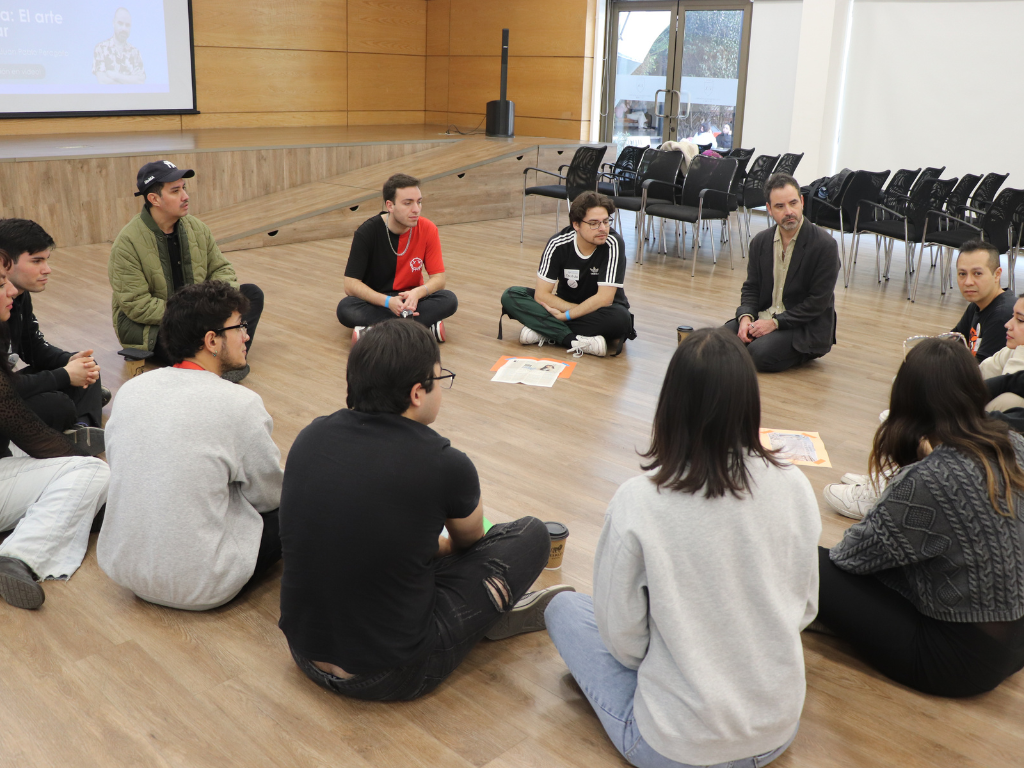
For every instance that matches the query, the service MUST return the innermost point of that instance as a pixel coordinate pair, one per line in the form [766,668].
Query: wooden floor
[98,678]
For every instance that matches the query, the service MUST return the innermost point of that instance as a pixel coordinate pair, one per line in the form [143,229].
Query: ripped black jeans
[465,610]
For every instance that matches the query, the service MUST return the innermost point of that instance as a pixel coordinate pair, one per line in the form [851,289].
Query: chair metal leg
[522,225]
[558,210]
[920,255]
[725,222]
[640,240]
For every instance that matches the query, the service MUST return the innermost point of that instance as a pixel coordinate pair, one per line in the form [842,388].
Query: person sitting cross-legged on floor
[62,388]
[375,602]
[195,475]
[929,587]
[49,496]
[578,303]
[390,254]
[704,576]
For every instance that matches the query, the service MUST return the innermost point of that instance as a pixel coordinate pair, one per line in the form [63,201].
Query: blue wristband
[567,315]
[386,300]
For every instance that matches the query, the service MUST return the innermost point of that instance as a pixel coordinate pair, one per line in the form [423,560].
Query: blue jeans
[610,687]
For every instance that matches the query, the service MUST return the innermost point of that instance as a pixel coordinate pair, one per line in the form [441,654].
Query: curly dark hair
[192,312]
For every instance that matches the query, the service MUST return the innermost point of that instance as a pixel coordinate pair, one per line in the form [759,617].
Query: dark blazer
[809,293]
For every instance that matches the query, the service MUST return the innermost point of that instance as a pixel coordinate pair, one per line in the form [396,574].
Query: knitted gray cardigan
[934,537]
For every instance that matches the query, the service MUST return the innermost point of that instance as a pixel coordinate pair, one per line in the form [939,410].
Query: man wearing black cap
[159,251]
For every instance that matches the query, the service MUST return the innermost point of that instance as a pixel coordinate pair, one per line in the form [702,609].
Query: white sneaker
[589,345]
[853,501]
[358,331]
[851,478]
[883,416]
[529,336]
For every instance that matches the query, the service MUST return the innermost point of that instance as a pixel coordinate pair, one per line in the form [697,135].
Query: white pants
[50,504]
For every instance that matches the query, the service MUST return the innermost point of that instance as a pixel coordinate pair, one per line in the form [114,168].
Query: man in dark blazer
[795,322]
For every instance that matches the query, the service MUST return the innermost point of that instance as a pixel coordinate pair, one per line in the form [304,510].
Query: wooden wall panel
[89,200]
[262,120]
[536,27]
[438,13]
[80,125]
[436,85]
[385,117]
[540,86]
[435,118]
[247,80]
[308,25]
[385,82]
[388,26]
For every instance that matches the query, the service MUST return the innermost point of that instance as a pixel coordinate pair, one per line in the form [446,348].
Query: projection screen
[94,57]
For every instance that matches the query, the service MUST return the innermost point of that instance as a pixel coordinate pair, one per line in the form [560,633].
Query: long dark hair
[708,416]
[939,394]
[5,335]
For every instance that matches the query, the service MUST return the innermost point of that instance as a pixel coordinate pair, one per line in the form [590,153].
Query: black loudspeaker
[501,114]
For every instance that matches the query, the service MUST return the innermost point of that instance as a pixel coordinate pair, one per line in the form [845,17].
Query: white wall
[935,82]
[771,75]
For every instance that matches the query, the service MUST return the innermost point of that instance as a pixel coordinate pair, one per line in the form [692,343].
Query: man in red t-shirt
[395,267]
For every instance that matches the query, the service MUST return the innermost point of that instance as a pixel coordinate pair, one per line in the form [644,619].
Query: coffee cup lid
[557,530]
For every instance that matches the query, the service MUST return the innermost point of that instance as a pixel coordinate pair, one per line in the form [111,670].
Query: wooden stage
[99,678]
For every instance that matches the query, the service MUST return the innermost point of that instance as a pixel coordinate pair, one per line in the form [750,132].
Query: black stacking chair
[841,215]
[580,177]
[702,148]
[909,225]
[957,200]
[894,195]
[750,194]
[788,163]
[704,197]
[1016,242]
[835,188]
[994,225]
[623,170]
[985,194]
[742,158]
[655,180]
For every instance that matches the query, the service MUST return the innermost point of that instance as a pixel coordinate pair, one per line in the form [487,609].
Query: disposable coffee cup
[558,533]
[682,332]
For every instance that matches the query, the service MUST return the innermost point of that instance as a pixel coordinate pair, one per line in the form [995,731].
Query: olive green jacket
[140,274]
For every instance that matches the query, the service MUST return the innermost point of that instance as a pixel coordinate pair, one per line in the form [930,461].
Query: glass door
[679,73]
[642,49]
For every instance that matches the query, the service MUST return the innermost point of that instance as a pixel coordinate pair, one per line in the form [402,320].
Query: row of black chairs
[653,183]
[921,209]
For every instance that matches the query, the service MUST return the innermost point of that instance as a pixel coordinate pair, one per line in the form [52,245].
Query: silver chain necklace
[388,225]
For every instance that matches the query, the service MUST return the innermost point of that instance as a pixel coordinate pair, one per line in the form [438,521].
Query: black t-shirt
[174,252]
[577,276]
[365,497]
[984,329]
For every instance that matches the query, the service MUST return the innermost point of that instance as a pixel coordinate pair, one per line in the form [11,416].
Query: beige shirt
[783,256]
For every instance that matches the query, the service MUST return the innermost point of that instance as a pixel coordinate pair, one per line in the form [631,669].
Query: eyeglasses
[243,325]
[602,224]
[446,379]
[913,341]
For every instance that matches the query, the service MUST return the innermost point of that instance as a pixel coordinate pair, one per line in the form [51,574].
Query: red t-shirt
[373,258]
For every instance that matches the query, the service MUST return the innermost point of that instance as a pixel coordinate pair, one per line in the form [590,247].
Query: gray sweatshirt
[192,464]
[706,598]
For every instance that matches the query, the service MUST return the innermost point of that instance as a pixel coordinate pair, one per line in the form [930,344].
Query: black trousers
[255,296]
[436,306]
[64,408]
[269,553]
[774,352]
[511,553]
[943,658]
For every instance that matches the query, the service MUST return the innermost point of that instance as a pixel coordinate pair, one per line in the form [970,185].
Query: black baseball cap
[161,171]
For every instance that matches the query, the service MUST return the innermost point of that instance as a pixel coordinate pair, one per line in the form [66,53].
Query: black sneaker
[527,615]
[18,585]
[236,375]
[107,394]
[89,439]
